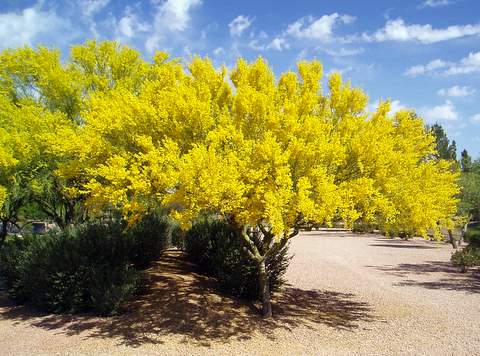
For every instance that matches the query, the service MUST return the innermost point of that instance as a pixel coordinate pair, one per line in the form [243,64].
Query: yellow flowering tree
[42,100]
[107,129]
[268,154]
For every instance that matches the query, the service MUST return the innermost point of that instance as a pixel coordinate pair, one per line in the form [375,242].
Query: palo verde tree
[40,98]
[41,106]
[268,154]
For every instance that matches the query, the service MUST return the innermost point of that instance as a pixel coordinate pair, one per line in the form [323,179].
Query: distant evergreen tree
[445,150]
[465,161]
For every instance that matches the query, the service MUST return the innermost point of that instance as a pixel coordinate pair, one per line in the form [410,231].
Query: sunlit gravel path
[346,294]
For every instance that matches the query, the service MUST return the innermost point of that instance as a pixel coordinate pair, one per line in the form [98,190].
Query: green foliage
[472,235]
[468,257]
[469,204]
[149,237]
[465,161]
[89,267]
[217,248]
[445,149]
[177,236]
[86,268]
[363,228]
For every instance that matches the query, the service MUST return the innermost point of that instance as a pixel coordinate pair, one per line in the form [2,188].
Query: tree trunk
[452,239]
[264,290]
[3,232]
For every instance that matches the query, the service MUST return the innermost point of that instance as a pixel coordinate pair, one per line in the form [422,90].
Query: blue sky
[420,54]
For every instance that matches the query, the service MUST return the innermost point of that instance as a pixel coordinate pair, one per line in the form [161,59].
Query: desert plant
[217,248]
[82,268]
[148,238]
[466,258]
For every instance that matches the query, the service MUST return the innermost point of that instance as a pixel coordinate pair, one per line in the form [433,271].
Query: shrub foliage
[217,248]
[94,266]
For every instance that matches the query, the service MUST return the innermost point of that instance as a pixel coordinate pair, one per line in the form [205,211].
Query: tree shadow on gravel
[403,246]
[180,302]
[440,275]
[407,244]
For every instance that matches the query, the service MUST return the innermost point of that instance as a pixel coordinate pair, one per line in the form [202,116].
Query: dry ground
[346,294]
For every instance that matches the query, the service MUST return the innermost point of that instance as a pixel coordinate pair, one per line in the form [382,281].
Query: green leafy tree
[470,195]
[445,149]
[465,161]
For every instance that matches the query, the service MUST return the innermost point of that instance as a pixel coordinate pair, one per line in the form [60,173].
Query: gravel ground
[346,294]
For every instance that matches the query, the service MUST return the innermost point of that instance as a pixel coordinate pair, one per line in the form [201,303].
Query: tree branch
[252,250]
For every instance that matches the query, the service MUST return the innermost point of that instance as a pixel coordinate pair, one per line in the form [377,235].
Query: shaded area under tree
[181,302]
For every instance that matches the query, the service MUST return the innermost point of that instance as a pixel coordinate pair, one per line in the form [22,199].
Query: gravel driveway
[346,294]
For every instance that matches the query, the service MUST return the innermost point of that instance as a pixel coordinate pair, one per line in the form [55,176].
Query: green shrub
[216,247]
[468,257]
[177,236]
[149,237]
[472,235]
[363,228]
[84,268]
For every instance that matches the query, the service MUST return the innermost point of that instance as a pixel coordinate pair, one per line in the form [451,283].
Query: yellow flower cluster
[243,144]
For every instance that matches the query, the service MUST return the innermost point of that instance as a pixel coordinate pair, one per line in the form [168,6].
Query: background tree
[465,161]
[42,104]
[470,193]
[445,149]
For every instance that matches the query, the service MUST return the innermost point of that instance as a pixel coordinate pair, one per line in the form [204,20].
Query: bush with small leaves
[83,268]
[149,237]
[216,247]
[466,258]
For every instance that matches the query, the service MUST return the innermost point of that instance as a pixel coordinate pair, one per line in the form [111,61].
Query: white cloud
[318,28]
[171,16]
[444,112]
[344,52]
[239,25]
[174,14]
[456,91]
[342,71]
[17,29]
[129,25]
[92,7]
[395,106]
[429,67]
[435,3]
[475,119]
[279,44]
[263,35]
[256,45]
[468,64]
[219,51]
[398,30]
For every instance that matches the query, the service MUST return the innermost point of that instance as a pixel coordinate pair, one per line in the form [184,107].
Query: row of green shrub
[95,266]
[217,248]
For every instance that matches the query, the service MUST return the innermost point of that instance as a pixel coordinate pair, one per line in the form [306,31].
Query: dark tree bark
[261,244]
[3,232]
[264,287]
[452,239]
